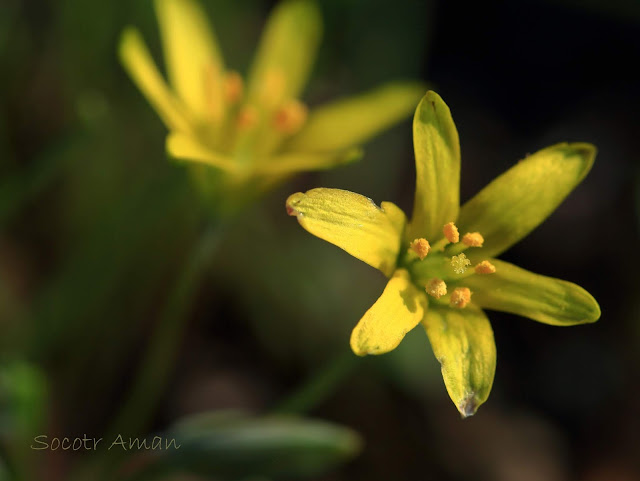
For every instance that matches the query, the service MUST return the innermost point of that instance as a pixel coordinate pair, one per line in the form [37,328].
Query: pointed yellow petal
[193,60]
[287,51]
[398,310]
[462,341]
[181,146]
[353,223]
[292,162]
[517,201]
[437,150]
[354,120]
[136,59]
[543,299]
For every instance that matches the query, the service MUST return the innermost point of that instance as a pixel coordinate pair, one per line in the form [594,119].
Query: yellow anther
[421,247]
[460,297]
[272,89]
[247,118]
[473,239]
[485,267]
[290,117]
[460,263]
[233,87]
[436,288]
[451,232]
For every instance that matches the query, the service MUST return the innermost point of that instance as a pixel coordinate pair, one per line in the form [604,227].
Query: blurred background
[95,224]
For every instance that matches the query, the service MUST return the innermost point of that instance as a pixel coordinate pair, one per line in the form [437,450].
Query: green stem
[320,385]
[159,359]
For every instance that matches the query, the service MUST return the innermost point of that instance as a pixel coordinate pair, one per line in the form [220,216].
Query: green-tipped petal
[292,162]
[286,53]
[136,59]
[398,310]
[352,222]
[193,59]
[517,201]
[543,299]
[437,151]
[462,341]
[349,122]
[185,147]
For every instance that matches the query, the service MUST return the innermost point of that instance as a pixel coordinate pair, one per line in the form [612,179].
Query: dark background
[94,223]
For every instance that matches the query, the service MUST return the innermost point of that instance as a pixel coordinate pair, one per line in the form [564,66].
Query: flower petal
[544,299]
[353,223]
[136,59]
[292,162]
[437,150]
[398,310]
[462,341]
[194,63]
[287,49]
[349,122]
[517,201]
[182,146]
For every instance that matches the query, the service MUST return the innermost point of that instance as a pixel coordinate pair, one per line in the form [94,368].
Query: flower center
[267,116]
[284,115]
[442,267]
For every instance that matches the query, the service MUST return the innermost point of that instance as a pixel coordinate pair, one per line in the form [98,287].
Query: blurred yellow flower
[254,133]
[429,265]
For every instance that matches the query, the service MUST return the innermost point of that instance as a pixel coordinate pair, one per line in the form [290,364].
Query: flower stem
[158,360]
[320,385]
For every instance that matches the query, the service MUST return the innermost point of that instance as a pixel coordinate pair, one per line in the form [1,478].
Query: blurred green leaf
[231,445]
[23,410]
[23,397]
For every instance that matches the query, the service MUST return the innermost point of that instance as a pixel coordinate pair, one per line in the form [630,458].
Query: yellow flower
[438,287]
[256,133]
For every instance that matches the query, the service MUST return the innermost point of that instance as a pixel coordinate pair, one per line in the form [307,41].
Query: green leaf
[234,446]
[352,222]
[23,415]
[437,151]
[398,310]
[349,122]
[462,341]
[517,201]
[23,400]
[543,299]
[286,53]
[194,62]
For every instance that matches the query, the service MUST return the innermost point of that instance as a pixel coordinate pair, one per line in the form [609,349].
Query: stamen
[421,247]
[436,288]
[460,297]
[233,87]
[460,263]
[272,90]
[451,232]
[290,117]
[473,239]
[485,267]
[212,92]
[247,118]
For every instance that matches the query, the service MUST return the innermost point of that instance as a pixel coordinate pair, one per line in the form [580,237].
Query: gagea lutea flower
[253,133]
[442,265]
